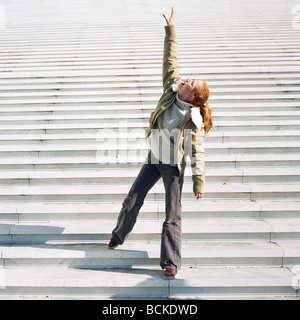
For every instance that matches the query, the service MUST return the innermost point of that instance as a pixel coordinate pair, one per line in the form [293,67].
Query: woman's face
[185,89]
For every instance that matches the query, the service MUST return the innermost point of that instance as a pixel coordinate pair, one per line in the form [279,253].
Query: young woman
[176,130]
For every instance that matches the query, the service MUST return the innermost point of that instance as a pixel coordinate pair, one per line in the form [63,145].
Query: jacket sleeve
[194,148]
[170,72]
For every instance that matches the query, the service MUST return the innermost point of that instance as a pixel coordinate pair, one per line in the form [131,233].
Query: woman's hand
[171,20]
[199,195]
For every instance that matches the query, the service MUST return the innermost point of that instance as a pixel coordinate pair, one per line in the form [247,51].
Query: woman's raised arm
[170,60]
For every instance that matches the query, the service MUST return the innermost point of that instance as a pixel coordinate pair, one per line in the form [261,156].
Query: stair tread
[140,145]
[132,250]
[141,114]
[158,188]
[200,225]
[138,160]
[91,136]
[140,92]
[210,205]
[195,277]
[132,173]
[147,106]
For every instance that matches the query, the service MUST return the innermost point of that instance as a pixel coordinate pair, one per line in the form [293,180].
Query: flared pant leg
[170,255]
[146,179]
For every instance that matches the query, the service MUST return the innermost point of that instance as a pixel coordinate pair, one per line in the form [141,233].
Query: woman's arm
[198,162]
[170,59]
[194,148]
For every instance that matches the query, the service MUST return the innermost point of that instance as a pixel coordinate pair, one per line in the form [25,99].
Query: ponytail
[200,97]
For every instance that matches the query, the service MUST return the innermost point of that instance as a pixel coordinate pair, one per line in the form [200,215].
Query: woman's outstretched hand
[171,20]
[198,195]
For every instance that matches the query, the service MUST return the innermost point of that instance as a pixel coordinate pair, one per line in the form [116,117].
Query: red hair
[199,99]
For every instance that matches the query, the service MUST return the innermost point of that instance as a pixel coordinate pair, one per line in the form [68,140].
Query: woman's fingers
[171,20]
[172,14]
[172,17]
[167,20]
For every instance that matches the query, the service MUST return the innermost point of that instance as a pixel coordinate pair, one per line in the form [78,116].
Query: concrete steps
[96,177]
[117,192]
[95,255]
[193,229]
[142,283]
[67,85]
[154,210]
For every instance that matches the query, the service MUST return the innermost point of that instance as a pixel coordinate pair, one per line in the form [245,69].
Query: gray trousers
[170,255]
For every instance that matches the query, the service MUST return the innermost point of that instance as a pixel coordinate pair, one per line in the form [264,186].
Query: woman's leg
[146,179]
[171,231]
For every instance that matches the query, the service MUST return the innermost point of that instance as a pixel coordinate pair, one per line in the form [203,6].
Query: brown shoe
[169,274]
[112,244]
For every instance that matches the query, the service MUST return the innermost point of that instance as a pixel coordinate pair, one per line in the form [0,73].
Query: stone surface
[68,70]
